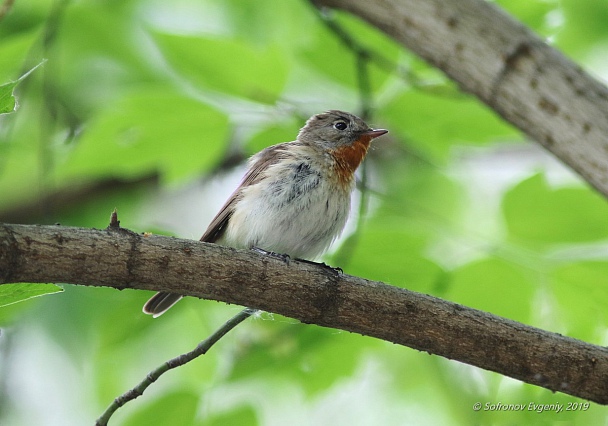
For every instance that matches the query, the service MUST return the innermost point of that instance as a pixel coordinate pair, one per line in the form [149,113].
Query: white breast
[296,209]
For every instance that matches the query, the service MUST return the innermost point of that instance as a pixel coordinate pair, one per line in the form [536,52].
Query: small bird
[295,196]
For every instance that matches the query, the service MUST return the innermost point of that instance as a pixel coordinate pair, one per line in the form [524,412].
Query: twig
[380,60]
[114,222]
[180,360]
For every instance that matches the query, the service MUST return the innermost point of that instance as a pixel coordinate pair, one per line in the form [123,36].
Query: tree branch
[116,257]
[502,62]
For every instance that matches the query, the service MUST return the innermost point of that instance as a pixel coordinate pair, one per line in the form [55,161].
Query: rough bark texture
[118,258]
[507,66]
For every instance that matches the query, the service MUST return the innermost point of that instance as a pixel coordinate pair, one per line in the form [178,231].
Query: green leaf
[329,54]
[14,293]
[311,356]
[393,244]
[535,14]
[230,66]
[274,134]
[538,214]
[581,292]
[8,103]
[584,28]
[14,50]
[174,408]
[394,254]
[266,22]
[434,124]
[151,130]
[241,415]
[495,286]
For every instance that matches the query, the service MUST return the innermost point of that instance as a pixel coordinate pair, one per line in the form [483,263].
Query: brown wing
[160,302]
[258,164]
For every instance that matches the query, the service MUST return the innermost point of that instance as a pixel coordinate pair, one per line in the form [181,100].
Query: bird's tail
[160,303]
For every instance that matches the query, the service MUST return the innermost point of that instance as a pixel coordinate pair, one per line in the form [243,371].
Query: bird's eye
[340,125]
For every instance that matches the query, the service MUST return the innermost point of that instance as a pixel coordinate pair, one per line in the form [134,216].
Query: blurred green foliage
[140,102]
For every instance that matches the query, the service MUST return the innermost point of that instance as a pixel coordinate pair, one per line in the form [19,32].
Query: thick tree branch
[507,66]
[119,258]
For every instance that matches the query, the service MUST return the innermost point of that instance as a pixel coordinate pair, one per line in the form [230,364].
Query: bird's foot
[284,257]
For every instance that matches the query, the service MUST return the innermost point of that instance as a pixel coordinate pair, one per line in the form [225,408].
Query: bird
[295,197]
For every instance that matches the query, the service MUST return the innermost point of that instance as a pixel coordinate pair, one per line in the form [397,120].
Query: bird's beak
[374,133]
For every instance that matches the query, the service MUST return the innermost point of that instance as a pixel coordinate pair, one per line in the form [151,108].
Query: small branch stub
[114,222]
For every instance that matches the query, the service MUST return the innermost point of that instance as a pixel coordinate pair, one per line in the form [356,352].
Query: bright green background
[146,106]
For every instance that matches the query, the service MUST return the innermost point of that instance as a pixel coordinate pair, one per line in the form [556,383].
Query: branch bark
[507,66]
[116,257]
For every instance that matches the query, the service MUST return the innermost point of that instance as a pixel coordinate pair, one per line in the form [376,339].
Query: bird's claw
[284,257]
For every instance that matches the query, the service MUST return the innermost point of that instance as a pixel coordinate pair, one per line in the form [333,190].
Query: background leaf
[221,66]
[7,100]
[151,130]
[536,213]
[8,103]
[13,293]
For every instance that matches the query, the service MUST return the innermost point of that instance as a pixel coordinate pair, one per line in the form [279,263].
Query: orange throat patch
[349,157]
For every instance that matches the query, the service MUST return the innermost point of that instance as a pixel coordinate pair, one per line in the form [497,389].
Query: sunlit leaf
[243,416]
[581,292]
[269,21]
[575,41]
[330,55]
[13,52]
[541,15]
[494,285]
[312,356]
[14,293]
[277,133]
[417,204]
[150,131]
[536,213]
[174,408]
[8,103]
[230,66]
[434,124]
